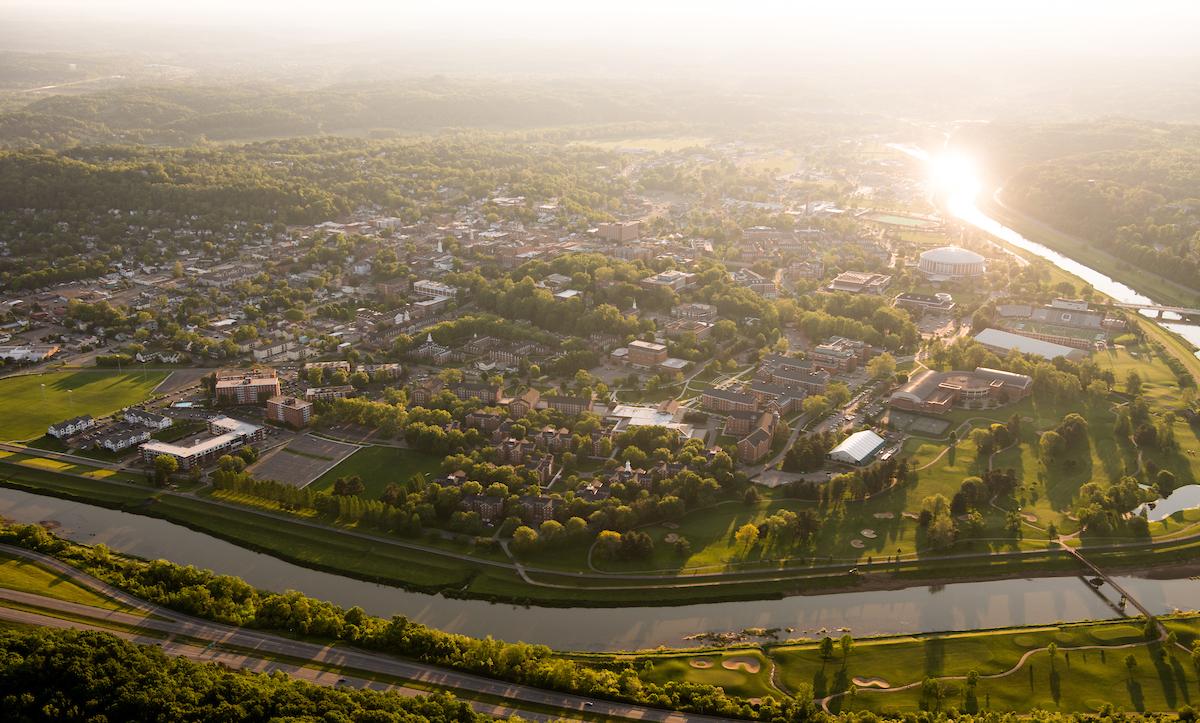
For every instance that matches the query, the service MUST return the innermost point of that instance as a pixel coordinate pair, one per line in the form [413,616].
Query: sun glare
[954,174]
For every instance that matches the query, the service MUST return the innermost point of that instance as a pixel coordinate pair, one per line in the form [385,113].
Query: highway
[150,617]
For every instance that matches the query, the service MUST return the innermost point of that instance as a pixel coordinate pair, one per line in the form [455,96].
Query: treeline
[180,115]
[231,600]
[1134,192]
[67,675]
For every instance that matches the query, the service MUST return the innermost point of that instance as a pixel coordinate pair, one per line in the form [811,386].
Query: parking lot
[302,460]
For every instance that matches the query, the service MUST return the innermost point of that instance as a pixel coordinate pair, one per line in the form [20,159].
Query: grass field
[29,403]
[26,576]
[379,467]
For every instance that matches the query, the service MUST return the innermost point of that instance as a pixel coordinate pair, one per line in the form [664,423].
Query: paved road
[174,623]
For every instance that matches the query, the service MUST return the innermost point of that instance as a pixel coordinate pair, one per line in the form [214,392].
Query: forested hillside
[1132,189]
[182,114]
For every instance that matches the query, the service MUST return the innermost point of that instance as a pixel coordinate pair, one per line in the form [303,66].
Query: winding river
[963,205]
[958,606]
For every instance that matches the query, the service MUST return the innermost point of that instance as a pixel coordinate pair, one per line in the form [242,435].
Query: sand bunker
[868,533]
[912,515]
[671,538]
[1029,517]
[857,544]
[884,516]
[700,663]
[871,683]
[749,665]
[671,525]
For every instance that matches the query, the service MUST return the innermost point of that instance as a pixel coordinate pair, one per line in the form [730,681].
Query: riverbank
[1165,291]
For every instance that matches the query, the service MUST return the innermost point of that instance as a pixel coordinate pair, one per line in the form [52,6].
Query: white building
[858,448]
[71,427]
[951,262]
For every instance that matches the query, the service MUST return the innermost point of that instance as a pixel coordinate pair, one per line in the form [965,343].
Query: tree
[826,647]
[1052,651]
[349,486]
[608,544]
[1130,664]
[746,536]
[1133,383]
[524,538]
[164,466]
[882,366]
[847,642]
[1051,445]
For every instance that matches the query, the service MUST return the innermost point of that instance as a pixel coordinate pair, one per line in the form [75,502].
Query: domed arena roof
[952,255]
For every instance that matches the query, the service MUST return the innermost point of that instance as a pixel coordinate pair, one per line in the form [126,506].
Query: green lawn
[379,467]
[29,403]
[20,574]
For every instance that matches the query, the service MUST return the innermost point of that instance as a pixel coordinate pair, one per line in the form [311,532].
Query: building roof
[232,429]
[952,255]
[73,421]
[647,345]
[146,415]
[291,402]
[1001,339]
[858,446]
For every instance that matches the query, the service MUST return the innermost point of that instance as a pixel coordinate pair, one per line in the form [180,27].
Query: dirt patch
[700,663]
[871,683]
[749,665]
[50,524]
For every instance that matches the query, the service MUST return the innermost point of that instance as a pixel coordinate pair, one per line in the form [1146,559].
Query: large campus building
[951,262]
[938,392]
[292,411]
[246,386]
[227,435]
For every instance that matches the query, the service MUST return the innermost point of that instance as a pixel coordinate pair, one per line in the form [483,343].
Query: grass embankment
[31,402]
[58,465]
[26,576]
[378,467]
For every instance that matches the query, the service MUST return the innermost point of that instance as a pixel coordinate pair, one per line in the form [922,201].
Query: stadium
[951,262]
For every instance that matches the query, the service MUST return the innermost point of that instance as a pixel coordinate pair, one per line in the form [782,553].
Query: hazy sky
[1081,26]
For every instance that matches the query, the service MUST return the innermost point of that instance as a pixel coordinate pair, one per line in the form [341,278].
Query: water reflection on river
[962,204]
[961,606]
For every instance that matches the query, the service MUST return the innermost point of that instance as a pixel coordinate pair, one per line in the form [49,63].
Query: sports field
[379,467]
[31,402]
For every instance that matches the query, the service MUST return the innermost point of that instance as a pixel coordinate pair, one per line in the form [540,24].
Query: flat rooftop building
[228,434]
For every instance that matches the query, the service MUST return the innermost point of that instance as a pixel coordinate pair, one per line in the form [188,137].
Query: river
[958,606]
[963,204]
